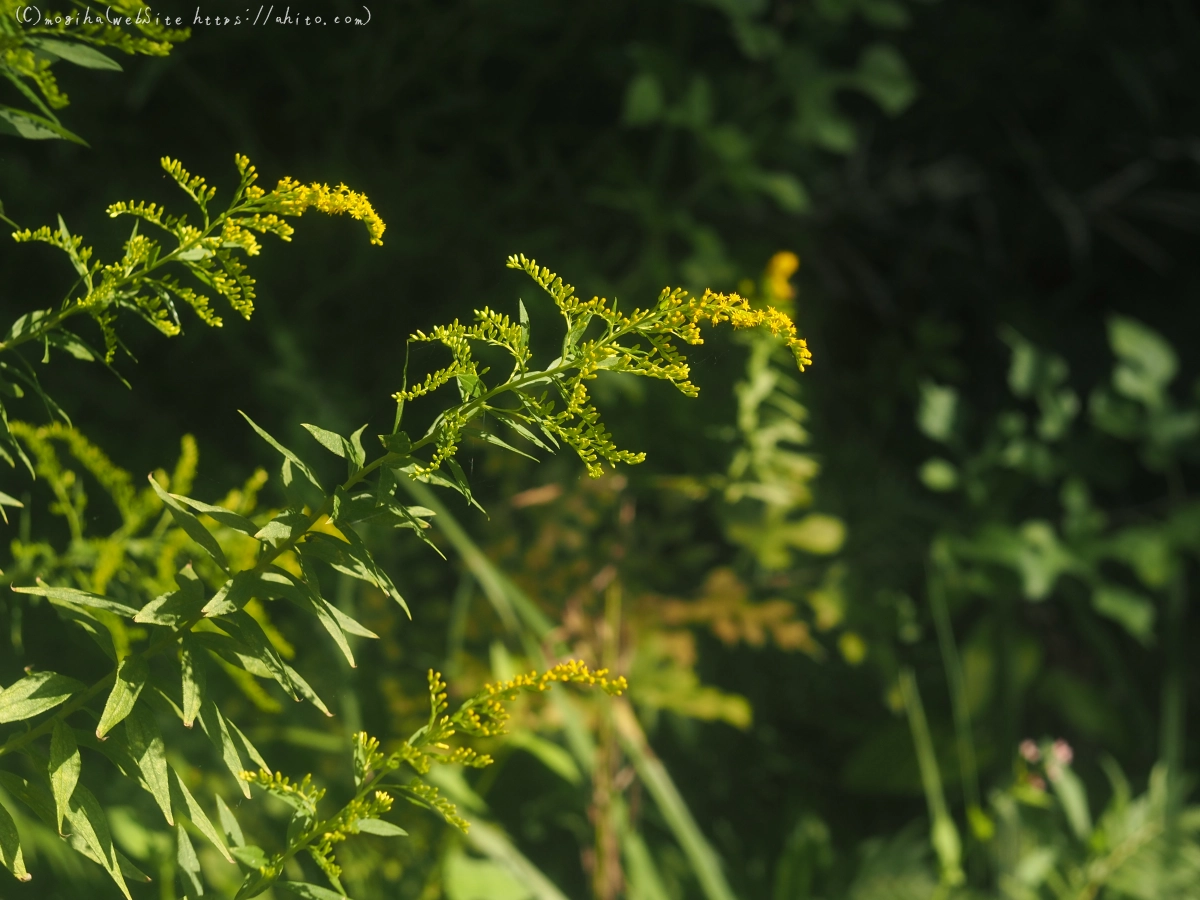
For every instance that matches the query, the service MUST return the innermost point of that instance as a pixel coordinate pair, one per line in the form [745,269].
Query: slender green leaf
[229,824]
[226,517]
[32,794]
[35,694]
[189,863]
[351,557]
[286,526]
[309,891]
[79,54]
[33,127]
[187,520]
[90,835]
[10,847]
[79,598]
[180,795]
[214,726]
[131,678]
[331,441]
[6,500]
[245,630]
[177,607]
[89,622]
[250,857]
[232,652]
[287,454]
[129,870]
[148,751]
[306,690]
[193,672]
[248,748]
[1073,797]
[65,765]
[233,595]
[310,600]
[488,438]
[380,827]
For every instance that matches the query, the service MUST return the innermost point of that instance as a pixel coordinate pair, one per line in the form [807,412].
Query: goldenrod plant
[183,588]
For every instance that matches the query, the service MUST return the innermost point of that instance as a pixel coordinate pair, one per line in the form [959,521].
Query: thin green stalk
[1174,695]
[968,771]
[943,832]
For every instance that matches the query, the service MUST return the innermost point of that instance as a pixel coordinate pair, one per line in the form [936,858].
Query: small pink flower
[1062,752]
[1036,783]
[1029,750]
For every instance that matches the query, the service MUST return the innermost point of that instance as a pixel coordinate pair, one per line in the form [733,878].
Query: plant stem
[943,833]
[1174,696]
[958,695]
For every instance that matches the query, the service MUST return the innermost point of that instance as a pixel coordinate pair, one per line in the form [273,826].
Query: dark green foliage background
[1047,174]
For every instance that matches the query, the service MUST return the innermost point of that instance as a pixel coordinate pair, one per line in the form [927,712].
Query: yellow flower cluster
[574,671]
[281,786]
[294,198]
[737,311]
[431,797]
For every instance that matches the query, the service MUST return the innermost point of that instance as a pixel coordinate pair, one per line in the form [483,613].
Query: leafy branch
[139,282]
[483,715]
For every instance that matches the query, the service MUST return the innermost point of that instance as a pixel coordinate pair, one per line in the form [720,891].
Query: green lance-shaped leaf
[248,748]
[6,500]
[91,835]
[59,595]
[10,847]
[215,727]
[242,627]
[288,455]
[65,764]
[129,870]
[35,694]
[233,595]
[380,827]
[131,678]
[189,863]
[89,622]
[34,127]
[187,520]
[78,54]
[193,672]
[307,596]
[305,689]
[31,794]
[148,751]
[182,797]
[285,527]
[226,517]
[229,824]
[351,557]
[349,449]
[177,607]
[310,891]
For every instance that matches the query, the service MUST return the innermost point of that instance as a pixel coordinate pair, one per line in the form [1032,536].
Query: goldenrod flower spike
[336,201]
